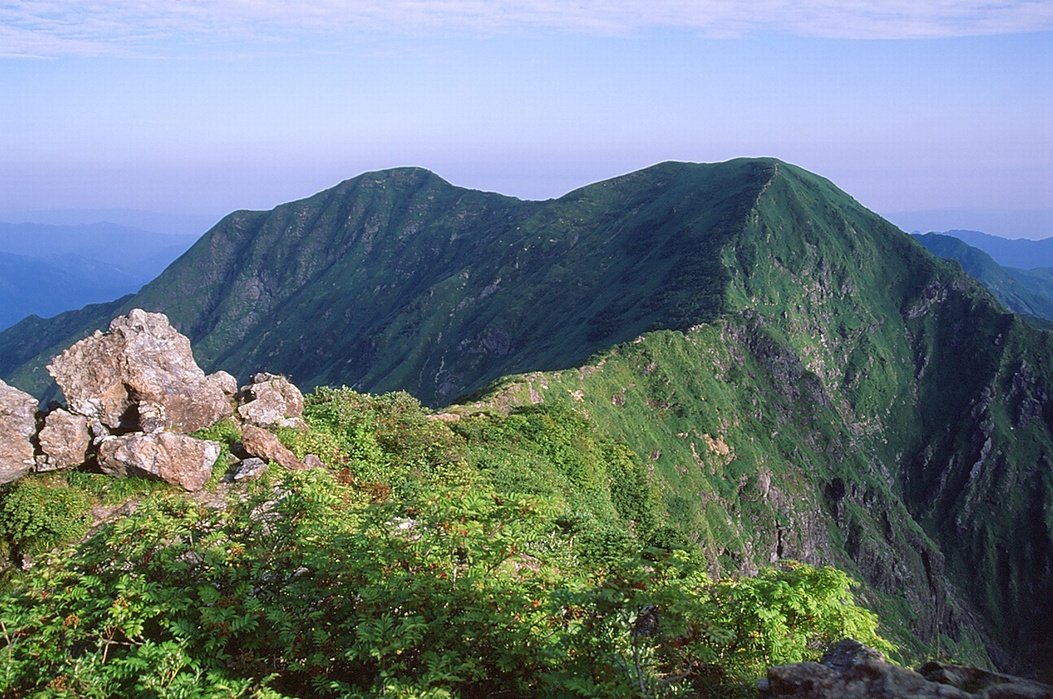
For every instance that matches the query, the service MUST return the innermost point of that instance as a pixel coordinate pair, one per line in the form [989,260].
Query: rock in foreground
[271,401]
[174,458]
[141,371]
[17,426]
[851,670]
[64,441]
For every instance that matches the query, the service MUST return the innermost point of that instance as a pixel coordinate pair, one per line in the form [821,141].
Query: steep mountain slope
[1024,291]
[408,282]
[840,395]
[947,393]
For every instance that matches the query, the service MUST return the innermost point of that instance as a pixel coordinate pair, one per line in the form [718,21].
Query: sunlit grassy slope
[811,382]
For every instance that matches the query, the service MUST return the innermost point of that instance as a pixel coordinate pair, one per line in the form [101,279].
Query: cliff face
[810,382]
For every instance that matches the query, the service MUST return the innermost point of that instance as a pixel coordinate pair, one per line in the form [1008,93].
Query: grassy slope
[866,380]
[852,371]
[515,554]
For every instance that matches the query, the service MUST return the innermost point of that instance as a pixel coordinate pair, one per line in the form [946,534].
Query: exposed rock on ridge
[173,458]
[134,392]
[145,364]
[270,400]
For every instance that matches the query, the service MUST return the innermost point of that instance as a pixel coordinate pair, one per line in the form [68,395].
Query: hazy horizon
[1031,225]
[202,109]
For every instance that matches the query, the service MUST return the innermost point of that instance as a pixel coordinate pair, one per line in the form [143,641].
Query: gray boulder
[247,470]
[851,670]
[271,401]
[141,371]
[17,427]
[64,441]
[168,456]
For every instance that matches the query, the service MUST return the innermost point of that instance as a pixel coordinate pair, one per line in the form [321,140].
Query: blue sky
[939,108]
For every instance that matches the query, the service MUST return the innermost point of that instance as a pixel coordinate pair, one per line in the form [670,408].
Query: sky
[937,114]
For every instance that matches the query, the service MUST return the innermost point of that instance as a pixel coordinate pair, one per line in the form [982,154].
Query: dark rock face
[174,458]
[141,374]
[851,670]
[17,426]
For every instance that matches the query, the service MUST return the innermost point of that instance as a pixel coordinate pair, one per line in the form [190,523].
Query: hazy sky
[206,107]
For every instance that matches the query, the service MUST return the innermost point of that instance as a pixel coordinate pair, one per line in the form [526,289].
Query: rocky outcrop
[64,441]
[141,374]
[852,670]
[168,456]
[271,401]
[256,441]
[133,393]
[17,427]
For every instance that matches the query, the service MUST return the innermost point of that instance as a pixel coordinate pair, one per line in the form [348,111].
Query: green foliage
[662,627]
[226,432]
[387,442]
[446,581]
[551,449]
[39,513]
[787,614]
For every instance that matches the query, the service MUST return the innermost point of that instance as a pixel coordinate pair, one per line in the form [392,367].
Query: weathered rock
[173,458]
[271,400]
[256,441]
[312,461]
[224,382]
[17,426]
[142,360]
[64,441]
[248,470]
[992,685]
[851,670]
[152,417]
[98,431]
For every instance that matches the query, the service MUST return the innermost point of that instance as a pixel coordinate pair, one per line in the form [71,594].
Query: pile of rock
[852,670]
[133,396]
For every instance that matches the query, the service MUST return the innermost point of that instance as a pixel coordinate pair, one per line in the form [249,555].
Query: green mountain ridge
[804,379]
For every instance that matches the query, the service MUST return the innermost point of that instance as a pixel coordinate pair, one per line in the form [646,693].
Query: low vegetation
[524,554]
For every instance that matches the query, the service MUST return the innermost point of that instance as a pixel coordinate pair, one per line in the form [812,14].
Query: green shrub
[37,514]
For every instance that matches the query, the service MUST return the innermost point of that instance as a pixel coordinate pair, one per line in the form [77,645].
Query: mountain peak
[788,332]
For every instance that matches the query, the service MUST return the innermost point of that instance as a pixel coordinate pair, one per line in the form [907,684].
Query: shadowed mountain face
[826,388]
[399,280]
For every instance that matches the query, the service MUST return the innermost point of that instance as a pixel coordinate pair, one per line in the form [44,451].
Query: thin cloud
[57,27]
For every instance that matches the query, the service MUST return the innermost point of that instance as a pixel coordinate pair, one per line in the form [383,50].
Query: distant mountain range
[1025,291]
[803,379]
[47,269]
[174,224]
[1019,253]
